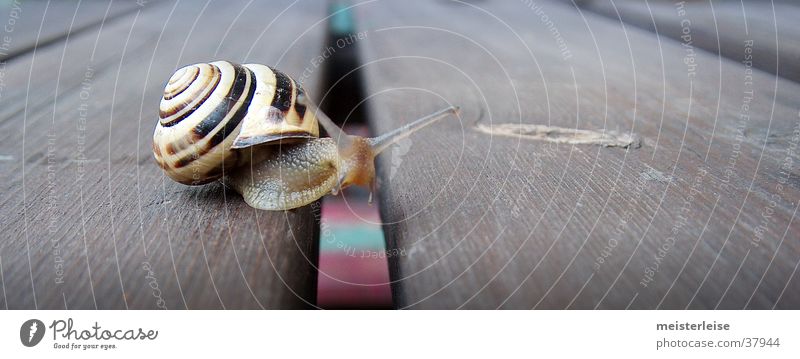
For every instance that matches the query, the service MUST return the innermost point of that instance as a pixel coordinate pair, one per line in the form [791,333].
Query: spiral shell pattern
[208,107]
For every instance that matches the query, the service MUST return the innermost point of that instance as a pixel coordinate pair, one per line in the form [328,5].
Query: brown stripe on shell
[245,79]
[233,122]
[218,114]
[236,96]
[300,104]
[182,162]
[282,99]
[179,74]
[170,94]
[208,88]
[232,160]
[166,121]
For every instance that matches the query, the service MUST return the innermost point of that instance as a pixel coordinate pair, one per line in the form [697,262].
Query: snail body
[292,177]
[252,127]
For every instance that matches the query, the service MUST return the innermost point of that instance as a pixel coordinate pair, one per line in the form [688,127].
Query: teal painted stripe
[341,21]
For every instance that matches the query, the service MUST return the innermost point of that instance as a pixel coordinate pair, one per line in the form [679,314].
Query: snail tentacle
[382,142]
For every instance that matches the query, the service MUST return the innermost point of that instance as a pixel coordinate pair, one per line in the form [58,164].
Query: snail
[253,128]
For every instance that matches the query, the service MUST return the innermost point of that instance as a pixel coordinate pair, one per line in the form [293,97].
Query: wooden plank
[700,216]
[720,26]
[31,24]
[89,221]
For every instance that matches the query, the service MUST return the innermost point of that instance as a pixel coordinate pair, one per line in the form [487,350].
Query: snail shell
[209,112]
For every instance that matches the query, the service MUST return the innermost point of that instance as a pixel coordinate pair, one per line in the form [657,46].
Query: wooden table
[697,210]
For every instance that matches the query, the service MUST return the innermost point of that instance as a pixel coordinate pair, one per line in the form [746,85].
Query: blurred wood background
[720,27]
[700,213]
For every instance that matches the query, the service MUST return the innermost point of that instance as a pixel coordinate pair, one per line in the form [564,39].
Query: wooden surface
[720,27]
[700,215]
[88,220]
[482,221]
[36,24]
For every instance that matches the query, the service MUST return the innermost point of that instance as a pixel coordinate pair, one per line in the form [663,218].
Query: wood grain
[720,27]
[700,216]
[89,221]
[36,24]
